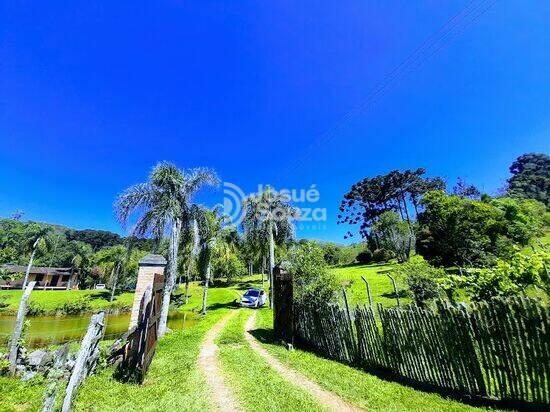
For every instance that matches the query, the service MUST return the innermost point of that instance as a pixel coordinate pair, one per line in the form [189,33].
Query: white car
[253,298]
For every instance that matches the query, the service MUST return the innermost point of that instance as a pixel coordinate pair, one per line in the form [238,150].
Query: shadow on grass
[266,336]
[227,305]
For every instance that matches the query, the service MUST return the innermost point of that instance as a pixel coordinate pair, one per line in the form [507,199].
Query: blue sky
[93,95]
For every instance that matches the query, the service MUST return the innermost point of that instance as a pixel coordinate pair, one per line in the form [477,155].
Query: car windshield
[253,293]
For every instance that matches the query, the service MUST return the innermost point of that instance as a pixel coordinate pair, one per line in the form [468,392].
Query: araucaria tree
[165,202]
[268,218]
[371,199]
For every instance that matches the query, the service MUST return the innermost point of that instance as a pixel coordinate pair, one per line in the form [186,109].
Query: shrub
[313,283]
[364,257]
[510,277]
[382,255]
[4,367]
[3,302]
[75,308]
[424,280]
[35,309]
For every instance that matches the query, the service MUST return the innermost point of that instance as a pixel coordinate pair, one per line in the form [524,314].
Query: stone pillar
[283,305]
[148,267]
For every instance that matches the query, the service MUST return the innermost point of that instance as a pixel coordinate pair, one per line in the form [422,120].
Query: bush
[35,309]
[510,277]
[313,283]
[75,308]
[4,367]
[424,280]
[364,257]
[382,255]
[3,302]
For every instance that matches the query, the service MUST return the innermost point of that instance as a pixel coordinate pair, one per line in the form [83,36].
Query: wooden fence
[497,350]
[135,350]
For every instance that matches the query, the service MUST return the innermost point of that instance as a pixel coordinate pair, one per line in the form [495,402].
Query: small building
[45,277]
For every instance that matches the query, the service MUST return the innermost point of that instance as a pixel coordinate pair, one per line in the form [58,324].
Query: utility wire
[427,49]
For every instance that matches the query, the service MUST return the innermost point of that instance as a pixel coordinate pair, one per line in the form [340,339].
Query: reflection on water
[47,330]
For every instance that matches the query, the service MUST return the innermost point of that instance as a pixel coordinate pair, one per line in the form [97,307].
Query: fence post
[19,323]
[368,290]
[394,288]
[87,355]
[283,305]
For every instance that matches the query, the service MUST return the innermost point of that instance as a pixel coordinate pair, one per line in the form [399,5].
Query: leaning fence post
[19,322]
[368,290]
[85,359]
[394,288]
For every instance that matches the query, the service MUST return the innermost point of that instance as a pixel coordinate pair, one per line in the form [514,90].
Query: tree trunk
[187,279]
[28,269]
[205,289]
[271,265]
[170,276]
[114,282]
[18,329]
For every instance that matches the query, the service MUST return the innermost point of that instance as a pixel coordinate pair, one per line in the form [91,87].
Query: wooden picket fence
[496,350]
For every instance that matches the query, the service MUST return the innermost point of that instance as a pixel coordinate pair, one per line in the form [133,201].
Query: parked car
[100,286]
[254,298]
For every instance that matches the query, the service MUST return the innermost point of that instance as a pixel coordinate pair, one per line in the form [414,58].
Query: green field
[175,383]
[380,284]
[53,300]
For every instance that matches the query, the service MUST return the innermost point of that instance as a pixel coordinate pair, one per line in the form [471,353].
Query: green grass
[173,381]
[256,384]
[380,285]
[355,385]
[52,300]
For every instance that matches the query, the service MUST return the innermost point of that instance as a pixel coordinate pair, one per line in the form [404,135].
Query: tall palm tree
[210,224]
[165,202]
[268,218]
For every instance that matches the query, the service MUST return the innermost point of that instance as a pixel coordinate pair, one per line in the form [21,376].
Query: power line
[427,49]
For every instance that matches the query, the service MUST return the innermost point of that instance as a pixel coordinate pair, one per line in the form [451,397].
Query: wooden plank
[87,350]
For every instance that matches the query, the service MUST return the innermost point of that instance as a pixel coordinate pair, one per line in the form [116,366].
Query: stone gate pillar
[148,267]
[283,305]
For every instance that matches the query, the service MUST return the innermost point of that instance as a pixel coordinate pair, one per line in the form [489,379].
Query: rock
[27,376]
[46,361]
[36,358]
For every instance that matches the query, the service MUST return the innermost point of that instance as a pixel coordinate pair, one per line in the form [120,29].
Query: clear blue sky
[279,92]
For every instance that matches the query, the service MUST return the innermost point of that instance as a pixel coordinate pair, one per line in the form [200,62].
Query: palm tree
[81,260]
[114,260]
[268,217]
[165,202]
[209,224]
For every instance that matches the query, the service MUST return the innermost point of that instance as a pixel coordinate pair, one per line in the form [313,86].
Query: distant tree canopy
[97,239]
[531,177]
[396,191]
[455,230]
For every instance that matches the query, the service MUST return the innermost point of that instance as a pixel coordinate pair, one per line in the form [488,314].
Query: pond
[49,330]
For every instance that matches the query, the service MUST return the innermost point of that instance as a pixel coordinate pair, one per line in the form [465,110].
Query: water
[49,330]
